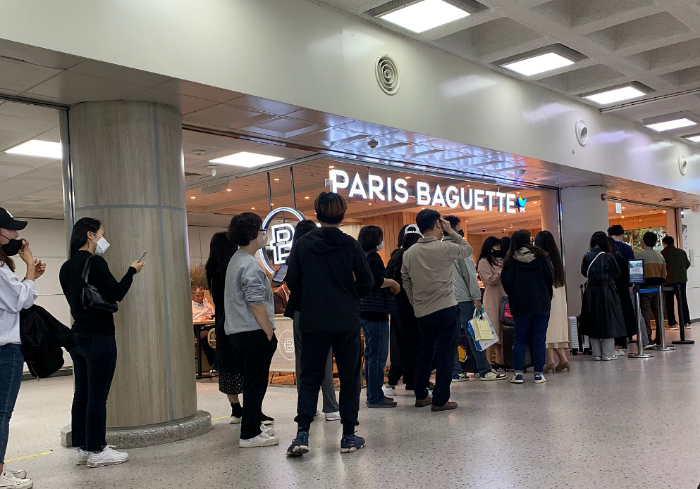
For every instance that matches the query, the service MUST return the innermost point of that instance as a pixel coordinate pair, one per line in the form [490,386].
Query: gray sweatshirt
[246,286]
[466,286]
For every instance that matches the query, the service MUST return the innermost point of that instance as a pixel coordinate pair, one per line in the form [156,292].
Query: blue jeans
[466,313]
[94,360]
[376,351]
[438,336]
[531,328]
[11,361]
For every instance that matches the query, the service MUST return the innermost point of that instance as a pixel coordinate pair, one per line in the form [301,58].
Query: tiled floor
[623,424]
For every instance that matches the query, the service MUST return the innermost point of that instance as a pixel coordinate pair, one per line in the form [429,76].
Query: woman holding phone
[95,352]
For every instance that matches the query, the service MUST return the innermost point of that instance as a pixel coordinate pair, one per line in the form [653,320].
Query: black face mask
[13,247]
[461,232]
[497,253]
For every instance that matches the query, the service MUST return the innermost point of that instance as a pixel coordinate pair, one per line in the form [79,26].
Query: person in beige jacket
[427,279]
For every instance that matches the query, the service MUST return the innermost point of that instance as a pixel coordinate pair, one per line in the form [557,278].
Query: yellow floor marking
[28,456]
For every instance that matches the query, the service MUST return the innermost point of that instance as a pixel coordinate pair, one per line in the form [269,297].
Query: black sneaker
[350,443]
[266,420]
[300,445]
[387,402]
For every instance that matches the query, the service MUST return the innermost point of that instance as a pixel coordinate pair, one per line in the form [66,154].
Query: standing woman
[15,295]
[558,329]
[95,352]
[528,277]
[622,285]
[601,313]
[221,249]
[489,266]
[375,308]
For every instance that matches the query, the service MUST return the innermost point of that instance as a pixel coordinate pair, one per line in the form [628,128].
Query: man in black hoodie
[328,273]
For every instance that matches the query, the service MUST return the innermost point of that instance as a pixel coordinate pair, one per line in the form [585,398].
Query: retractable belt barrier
[638,315]
[682,320]
[660,328]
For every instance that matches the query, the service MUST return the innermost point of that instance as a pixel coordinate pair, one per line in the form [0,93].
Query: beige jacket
[427,272]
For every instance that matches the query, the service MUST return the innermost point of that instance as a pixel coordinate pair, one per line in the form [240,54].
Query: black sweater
[328,273]
[92,321]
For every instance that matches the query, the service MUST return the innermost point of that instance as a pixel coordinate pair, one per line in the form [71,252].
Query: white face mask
[101,246]
[381,246]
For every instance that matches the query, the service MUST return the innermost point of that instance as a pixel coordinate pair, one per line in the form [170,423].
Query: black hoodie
[528,281]
[328,273]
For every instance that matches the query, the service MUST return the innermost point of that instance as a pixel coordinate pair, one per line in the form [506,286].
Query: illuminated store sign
[279,238]
[388,189]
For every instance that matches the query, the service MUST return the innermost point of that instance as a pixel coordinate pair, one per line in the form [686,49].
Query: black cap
[9,222]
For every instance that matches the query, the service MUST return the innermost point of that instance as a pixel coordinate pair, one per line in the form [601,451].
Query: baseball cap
[7,221]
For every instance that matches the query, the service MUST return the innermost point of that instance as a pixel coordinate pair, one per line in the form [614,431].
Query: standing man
[427,279]
[328,274]
[617,232]
[468,296]
[654,275]
[677,264]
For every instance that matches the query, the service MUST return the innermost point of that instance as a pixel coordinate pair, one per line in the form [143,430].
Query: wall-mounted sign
[388,189]
[279,238]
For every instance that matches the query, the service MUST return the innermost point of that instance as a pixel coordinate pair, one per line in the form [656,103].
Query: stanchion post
[681,319]
[637,314]
[661,328]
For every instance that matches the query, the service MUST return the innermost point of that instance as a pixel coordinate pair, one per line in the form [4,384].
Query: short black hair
[370,237]
[650,239]
[330,207]
[303,227]
[616,230]
[668,240]
[244,228]
[426,220]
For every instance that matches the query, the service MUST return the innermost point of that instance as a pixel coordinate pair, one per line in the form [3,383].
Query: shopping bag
[482,345]
[481,327]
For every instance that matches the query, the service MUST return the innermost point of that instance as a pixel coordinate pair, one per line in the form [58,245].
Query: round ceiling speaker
[581,132]
[387,74]
[682,165]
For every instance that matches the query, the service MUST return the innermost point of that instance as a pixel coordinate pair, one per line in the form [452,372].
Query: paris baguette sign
[389,190]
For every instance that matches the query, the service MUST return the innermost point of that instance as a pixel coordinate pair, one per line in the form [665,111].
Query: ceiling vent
[387,75]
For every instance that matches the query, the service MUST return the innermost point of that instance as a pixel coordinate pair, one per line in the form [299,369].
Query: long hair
[600,239]
[486,249]
[396,260]
[78,236]
[6,260]
[521,239]
[221,249]
[545,240]
[614,250]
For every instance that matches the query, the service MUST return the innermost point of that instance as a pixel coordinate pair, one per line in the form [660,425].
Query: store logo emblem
[281,236]
[521,203]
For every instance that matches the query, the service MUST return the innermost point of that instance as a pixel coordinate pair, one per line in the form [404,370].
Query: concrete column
[583,213]
[549,207]
[128,172]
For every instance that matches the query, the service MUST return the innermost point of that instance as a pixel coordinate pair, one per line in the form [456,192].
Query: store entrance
[638,219]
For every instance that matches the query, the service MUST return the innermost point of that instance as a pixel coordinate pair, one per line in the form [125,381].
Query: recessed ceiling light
[671,125]
[252,208]
[228,189]
[331,166]
[193,197]
[246,159]
[42,149]
[615,95]
[424,15]
[307,197]
[695,139]
[277,179]
[538,64]
[408,178]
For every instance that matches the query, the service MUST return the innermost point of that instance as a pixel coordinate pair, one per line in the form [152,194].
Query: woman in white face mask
[95,352]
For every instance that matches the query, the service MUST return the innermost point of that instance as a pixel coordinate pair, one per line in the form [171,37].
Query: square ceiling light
[41,149]
[618,94]
[670,125]
[541,60]
[246,159]
[695,138]
[423,15]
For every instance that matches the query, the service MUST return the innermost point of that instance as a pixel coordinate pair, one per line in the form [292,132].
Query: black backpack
[42,337]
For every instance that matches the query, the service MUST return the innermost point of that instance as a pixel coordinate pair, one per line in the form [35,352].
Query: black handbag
[93,298]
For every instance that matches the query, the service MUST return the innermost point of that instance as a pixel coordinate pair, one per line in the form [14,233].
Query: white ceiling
[654,42]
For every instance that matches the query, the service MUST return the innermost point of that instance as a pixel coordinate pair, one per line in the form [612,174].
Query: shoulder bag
[93,298]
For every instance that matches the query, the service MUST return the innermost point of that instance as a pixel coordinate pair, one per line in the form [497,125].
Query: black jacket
[528,285]
[328,273]
[42,337]
[378,304]
[601,311]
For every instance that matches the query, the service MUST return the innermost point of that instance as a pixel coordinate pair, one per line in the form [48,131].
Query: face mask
[461,232]
[101,246]
[380,247]
[12,247]
[497,253]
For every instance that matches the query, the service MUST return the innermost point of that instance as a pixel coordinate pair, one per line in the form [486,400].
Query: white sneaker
[81,456]
[333,416]
[493,376]
[108,456]
[20,474]
[9,481]
[269,430]
[235,420]
[262,440]
[389,390]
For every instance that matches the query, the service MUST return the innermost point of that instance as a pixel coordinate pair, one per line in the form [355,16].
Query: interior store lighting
[695,139]
[539,64]
[671,125]
[615,95]
[34,147]
[246,159]
[423,16]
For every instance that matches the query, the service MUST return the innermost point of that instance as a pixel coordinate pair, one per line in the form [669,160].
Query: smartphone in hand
[143,257]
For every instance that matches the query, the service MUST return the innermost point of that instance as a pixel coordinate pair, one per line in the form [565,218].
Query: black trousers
[346,348]
[255,352]
[94,360]
[649,303]
[670,304]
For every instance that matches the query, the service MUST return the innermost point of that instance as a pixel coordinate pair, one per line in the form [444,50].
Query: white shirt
[203,311]
[15,295]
